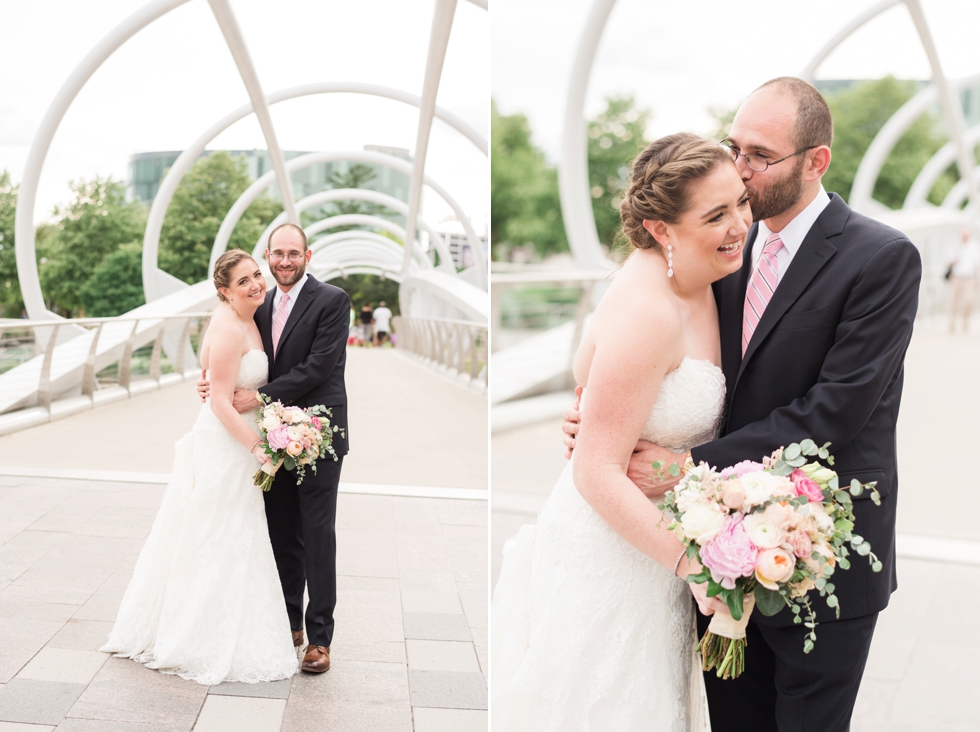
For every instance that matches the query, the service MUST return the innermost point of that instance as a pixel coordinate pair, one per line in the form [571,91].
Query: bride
[591,627]
[205,601]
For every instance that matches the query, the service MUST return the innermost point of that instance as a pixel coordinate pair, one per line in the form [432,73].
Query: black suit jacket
[308,368]
[827,362]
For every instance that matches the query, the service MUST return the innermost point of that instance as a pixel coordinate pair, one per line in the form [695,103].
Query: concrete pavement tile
[236,713]
[436,626]
[66,515]
[938,688]
[20,639]
[475,602]
[415,579]
[351,697]
[72,724]
[467,513]
[482,653]
[427,543]
[475,573]
[118,521]
[365,584]
[366,565]
[364,512]
[471,539]
[37,702]
[87,554]
[265,690]
[61,664]
[13,608]
[357,631]
[430,655]
[448,689]
[449,720]
[20,727]
[25,550]
[83,635]
[424,560]
[430,601]
[348,649]
[104,603]
[125,691]
[889,657]
[874,700]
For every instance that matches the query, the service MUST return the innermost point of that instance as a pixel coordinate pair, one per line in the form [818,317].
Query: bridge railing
[459,348]
[111,357]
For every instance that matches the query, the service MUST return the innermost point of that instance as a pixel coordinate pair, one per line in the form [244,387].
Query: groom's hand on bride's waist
[654,483]
[569,425]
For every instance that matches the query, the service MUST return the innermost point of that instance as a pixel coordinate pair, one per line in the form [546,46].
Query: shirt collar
[796,230]
[294,290]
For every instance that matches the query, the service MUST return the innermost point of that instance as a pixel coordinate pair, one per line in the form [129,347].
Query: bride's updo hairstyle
[660,180]
[223,267]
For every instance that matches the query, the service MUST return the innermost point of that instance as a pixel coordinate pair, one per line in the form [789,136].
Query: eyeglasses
[756,162]
[292,256]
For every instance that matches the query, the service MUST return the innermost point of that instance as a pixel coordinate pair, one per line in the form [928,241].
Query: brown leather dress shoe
[297,638]
[317,659]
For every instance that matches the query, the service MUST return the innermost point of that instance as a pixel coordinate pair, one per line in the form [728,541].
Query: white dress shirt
[792,235]
[293,293]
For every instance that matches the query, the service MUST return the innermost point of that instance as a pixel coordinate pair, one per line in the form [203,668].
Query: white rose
[295,433]
[688,496]
[762,532]
[759,487]
[701,523]
[270,422]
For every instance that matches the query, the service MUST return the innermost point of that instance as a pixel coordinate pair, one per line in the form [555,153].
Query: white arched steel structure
[573,169]
[332,222]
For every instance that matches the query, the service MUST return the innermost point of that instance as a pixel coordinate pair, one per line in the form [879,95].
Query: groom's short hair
[299,230]
[814,124]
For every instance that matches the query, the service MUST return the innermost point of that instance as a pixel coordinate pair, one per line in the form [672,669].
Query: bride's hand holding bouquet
[764,535]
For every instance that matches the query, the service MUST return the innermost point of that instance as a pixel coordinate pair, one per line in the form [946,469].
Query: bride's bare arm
[627,368]
[226,344]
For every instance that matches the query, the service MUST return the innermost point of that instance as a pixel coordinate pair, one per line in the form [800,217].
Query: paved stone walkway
[923,673]
[410,648]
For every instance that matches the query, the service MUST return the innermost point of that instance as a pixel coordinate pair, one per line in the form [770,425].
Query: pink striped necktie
[761,287]
[279,322]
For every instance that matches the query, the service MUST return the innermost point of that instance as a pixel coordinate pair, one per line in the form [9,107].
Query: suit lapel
[731,304]
[303,301]
[263,318]
[815,251]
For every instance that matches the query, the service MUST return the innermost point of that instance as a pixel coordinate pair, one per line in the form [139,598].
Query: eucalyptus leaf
[864,550]
[792,452]
[798,462]
[808,446]
[768,602]
[832,601]
[876,567]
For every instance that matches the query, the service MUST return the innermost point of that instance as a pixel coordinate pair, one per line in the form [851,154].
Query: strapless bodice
[253,371]
[688,409]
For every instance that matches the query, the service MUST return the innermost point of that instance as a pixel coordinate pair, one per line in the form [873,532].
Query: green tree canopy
[524,201]
[116,285]
[356,176]
[859,114]
[366,289]
[199,205]
[11,302]
[616,136]
[94,225]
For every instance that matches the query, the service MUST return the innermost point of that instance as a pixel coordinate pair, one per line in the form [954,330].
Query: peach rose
[774,566]
[294,448]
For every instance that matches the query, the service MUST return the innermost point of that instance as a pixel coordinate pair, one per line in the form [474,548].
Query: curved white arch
[395,275]
[935,167]
[154,279]
[25,249]
[341,238]
[363,251]
[573,169]
[304,161]
[959,192]
[889,135]
[354,220]
[360,194]
[843,34]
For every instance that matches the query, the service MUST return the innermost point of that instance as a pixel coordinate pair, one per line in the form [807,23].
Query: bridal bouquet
[293,438]
[765,534]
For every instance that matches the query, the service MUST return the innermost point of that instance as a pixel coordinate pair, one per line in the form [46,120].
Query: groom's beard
[289,275]
[779,197]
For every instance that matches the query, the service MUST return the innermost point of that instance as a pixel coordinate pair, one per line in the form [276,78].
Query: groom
[815,349]
[304,326]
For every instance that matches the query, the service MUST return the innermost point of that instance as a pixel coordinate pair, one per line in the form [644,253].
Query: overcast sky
[176,77]
[681,59]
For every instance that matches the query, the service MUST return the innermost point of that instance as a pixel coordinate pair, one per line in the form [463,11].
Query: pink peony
[801,543]
[279,438]
[740,469]
[730,554]
[805,486]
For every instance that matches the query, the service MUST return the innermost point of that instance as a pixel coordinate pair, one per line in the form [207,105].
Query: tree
[364,289]
[116,285]
[859,114]
[354,177]
[11,302]
[199,205]
[524,201]
[616,136]
[94,225]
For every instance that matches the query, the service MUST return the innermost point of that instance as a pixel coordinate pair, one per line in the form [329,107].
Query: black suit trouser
[784,689]
[302,528]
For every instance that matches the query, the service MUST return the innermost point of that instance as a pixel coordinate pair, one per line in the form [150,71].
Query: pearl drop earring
[670,260]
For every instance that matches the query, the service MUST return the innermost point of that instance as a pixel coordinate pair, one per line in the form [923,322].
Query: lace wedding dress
[205,601]
[587,632]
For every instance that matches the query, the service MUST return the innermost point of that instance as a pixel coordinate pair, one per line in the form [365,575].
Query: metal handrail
[459,347]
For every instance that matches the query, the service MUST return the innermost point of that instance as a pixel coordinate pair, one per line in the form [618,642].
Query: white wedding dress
[587,632]
[205,601]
